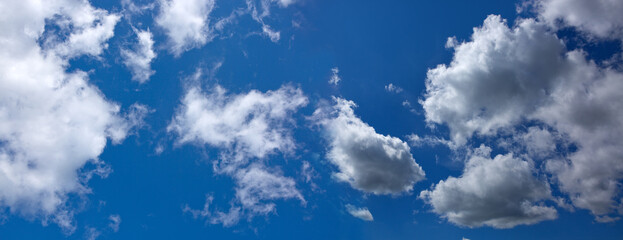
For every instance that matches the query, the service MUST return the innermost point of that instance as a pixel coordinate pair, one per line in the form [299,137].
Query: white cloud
[501,192]
[139,59]
[134,8]
[417,141]
[256,188]
[537,142]
[87,30]
[308,174]
[243,127]
[335,78]
[393,88]
[273,35]
[361,213]
[256,185]
[494,79]
[285,3]
[368,161]
[91,233]
[260,9]
[115,221]
[601,18]
[53,122]
[406,104]
[506,77]
[186,23]
[588,110]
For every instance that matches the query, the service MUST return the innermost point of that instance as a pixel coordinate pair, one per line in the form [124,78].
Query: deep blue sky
[372,43]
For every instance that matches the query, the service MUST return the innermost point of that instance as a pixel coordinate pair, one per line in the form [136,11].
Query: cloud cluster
[501,192]
[53,121]
[508,77]
[368,161]
[246,128]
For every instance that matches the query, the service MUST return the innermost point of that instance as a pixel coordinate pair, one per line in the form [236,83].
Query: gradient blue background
[373,43]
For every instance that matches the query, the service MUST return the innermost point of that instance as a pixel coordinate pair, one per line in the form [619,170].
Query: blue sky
[282,119]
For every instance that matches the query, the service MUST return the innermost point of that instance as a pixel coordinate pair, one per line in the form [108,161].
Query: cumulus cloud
[361,213]
[53,122]
[588,111]
[600,18]
[494,79]
[186,23]
[139,59]
[501,192]
[368,161]
[244,127]
[335,78]
[507,77]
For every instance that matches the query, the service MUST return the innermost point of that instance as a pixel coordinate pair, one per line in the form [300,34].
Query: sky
[311,119]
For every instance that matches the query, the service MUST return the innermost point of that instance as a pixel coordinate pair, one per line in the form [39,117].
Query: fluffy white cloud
[335,78]
[501,192]
[505,77]
[85,28]
[243,127]
[139,59]
[361,213]
[601,18]
[368,161]
[52,122]
[186,23]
